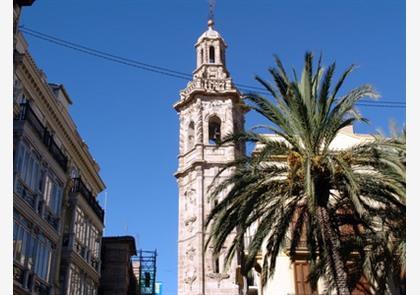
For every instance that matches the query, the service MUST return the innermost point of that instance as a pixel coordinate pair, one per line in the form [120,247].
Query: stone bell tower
[209,108]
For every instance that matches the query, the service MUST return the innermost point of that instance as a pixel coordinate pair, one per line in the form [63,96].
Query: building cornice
[65,127]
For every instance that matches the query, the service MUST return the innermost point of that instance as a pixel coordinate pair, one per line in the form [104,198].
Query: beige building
[209,108]
[58,222]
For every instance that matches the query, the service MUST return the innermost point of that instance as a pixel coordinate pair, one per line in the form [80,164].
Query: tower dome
[210,47]
[210,34]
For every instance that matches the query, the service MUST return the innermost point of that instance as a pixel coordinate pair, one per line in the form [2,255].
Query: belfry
[209,108]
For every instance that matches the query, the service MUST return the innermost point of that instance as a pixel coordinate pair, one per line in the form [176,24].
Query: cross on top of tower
[212,5]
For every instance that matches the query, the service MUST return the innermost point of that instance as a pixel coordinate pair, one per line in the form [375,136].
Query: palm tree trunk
[332,244]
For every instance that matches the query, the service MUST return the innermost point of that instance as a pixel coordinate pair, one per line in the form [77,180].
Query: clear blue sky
[126,116]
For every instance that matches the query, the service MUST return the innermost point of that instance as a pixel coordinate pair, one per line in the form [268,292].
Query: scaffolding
[146,271]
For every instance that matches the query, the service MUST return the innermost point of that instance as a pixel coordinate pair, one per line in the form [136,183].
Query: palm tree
[296,176]
[376,253]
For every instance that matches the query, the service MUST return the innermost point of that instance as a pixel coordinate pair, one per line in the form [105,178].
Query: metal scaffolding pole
[147,271]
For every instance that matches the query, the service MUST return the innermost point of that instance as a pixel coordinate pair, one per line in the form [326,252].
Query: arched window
[191,135]
[211,54]
[215,134]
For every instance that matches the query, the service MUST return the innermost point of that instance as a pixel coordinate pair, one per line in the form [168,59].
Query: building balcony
[80,187]
[302,244]
[28,115]
[36,202]
[207,85]
[26,280]
[72,245]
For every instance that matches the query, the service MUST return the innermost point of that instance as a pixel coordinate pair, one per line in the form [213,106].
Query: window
[302,286]
[80,232]
[214,130]
[191,139]
[90,287]
[87,239]
[74,282]
[52,194]
[28,167]
[211,55]
[31,250]
[44,253]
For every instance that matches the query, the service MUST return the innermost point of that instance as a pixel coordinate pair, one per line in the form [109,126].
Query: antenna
[212,5]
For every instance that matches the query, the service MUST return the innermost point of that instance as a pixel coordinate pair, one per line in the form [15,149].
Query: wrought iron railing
[301,244]
[71,243]
[18,274]
[36,201]
[41,288]
[58,155]
[29,115]
[79,186]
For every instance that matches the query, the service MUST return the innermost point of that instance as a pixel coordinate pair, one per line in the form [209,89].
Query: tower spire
[212,5]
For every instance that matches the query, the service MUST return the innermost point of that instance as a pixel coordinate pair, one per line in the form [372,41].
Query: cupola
[210,47]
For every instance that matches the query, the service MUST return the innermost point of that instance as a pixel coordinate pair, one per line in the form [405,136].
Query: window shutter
[302,287]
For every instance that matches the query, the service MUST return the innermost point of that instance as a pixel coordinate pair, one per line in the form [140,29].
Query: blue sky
[125,114]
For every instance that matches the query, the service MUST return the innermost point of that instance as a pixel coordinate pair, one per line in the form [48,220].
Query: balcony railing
[29,281]
[18,274]
[80,187]
[41,288]
[210,85]
[71,243]
[36,201]
[29,115]
[301,245]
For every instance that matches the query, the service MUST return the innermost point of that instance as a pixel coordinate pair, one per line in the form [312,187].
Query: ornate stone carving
[189,223]
[190,277]
[218,277]
[190,253]
[191,197]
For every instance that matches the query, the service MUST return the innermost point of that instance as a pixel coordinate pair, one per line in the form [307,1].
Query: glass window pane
[49,257]
[24,239]
[58,200]
[17,241]
[35,175]
[28,171]
[25,156]
[19,157]
[29,252]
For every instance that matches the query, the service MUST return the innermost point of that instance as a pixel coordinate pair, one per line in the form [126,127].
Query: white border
[6,145]
[413,135]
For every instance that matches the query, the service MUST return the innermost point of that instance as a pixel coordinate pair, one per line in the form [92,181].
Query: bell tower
[209,108]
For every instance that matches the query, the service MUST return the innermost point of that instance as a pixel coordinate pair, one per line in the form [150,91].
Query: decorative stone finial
[210,23]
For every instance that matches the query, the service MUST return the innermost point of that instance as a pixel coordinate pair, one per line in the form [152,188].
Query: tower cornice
[189,96]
